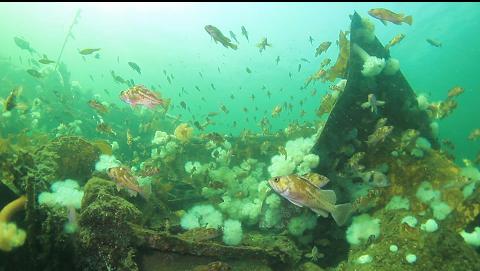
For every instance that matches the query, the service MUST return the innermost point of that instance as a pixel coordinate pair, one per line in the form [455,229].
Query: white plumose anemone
[372,65]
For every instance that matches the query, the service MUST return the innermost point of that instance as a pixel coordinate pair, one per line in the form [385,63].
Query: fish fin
[408,20]
[380,103]
[233,46]
[295,203]
[328,195]
[320,212]
[383,21]
[365,105]
[342,213]
[315,179]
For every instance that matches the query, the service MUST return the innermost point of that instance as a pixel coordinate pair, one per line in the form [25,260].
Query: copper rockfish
[306,191]
[139,94]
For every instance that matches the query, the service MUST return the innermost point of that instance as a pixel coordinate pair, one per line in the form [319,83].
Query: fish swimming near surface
[124,178]
[277,59]
[310,39]
[385,15]
[135,67]
[306,190]
[218,36]
[248,70]
[434,43]
[244,32]
[23,44]
[88,51]
[232,35]
[140,95]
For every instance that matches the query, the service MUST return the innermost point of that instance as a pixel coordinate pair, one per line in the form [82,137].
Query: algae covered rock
[67,157]
[106,240]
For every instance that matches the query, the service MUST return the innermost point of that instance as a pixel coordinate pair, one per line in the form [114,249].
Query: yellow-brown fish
[398,38]
[124,178]
[129,138]
[99,107]
[277,110]
[455,91]
[385,15]
[11,101]
[305,190]
[434,43]
[88,51]
[323,47]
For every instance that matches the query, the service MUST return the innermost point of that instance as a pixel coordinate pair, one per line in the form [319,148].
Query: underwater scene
[239,136]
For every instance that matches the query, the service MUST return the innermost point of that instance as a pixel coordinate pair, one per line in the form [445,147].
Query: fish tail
[408,20]
[233,46]
[342,213]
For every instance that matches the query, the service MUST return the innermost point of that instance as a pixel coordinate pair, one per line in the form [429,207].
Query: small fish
[299,67]
[129,138]
[135,67]
[23,44]
[290,75]
[305,60]
[232,97]
[276,111]
[224,108]
[385,15]
[11,100]
[97,56]
[197,88]
[434,43]
[35,73]
[218,68]
[305,190]
[269,94]
[45,60]
[183,105]
[213,87]
[455,91]
[263,44]
[323,47]
[201,75]
[244,32]
[277,60]
[398,38]
[169,80]
[474,135]
[91,77]
[325,62]
[310,39]
[248,70]
[232,35]
[212,114]
[104,128]
[140,95]
[118,78]
[118,59]
[252,97]
[372,103]
[88,51]
[98,106]
[124,178]
[218,36]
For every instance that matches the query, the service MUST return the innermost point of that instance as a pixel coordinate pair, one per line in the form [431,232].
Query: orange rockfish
[124,178]
[306,191]
[385,15]
[139,94]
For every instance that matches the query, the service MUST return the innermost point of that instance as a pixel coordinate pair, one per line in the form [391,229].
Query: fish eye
[276,179]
